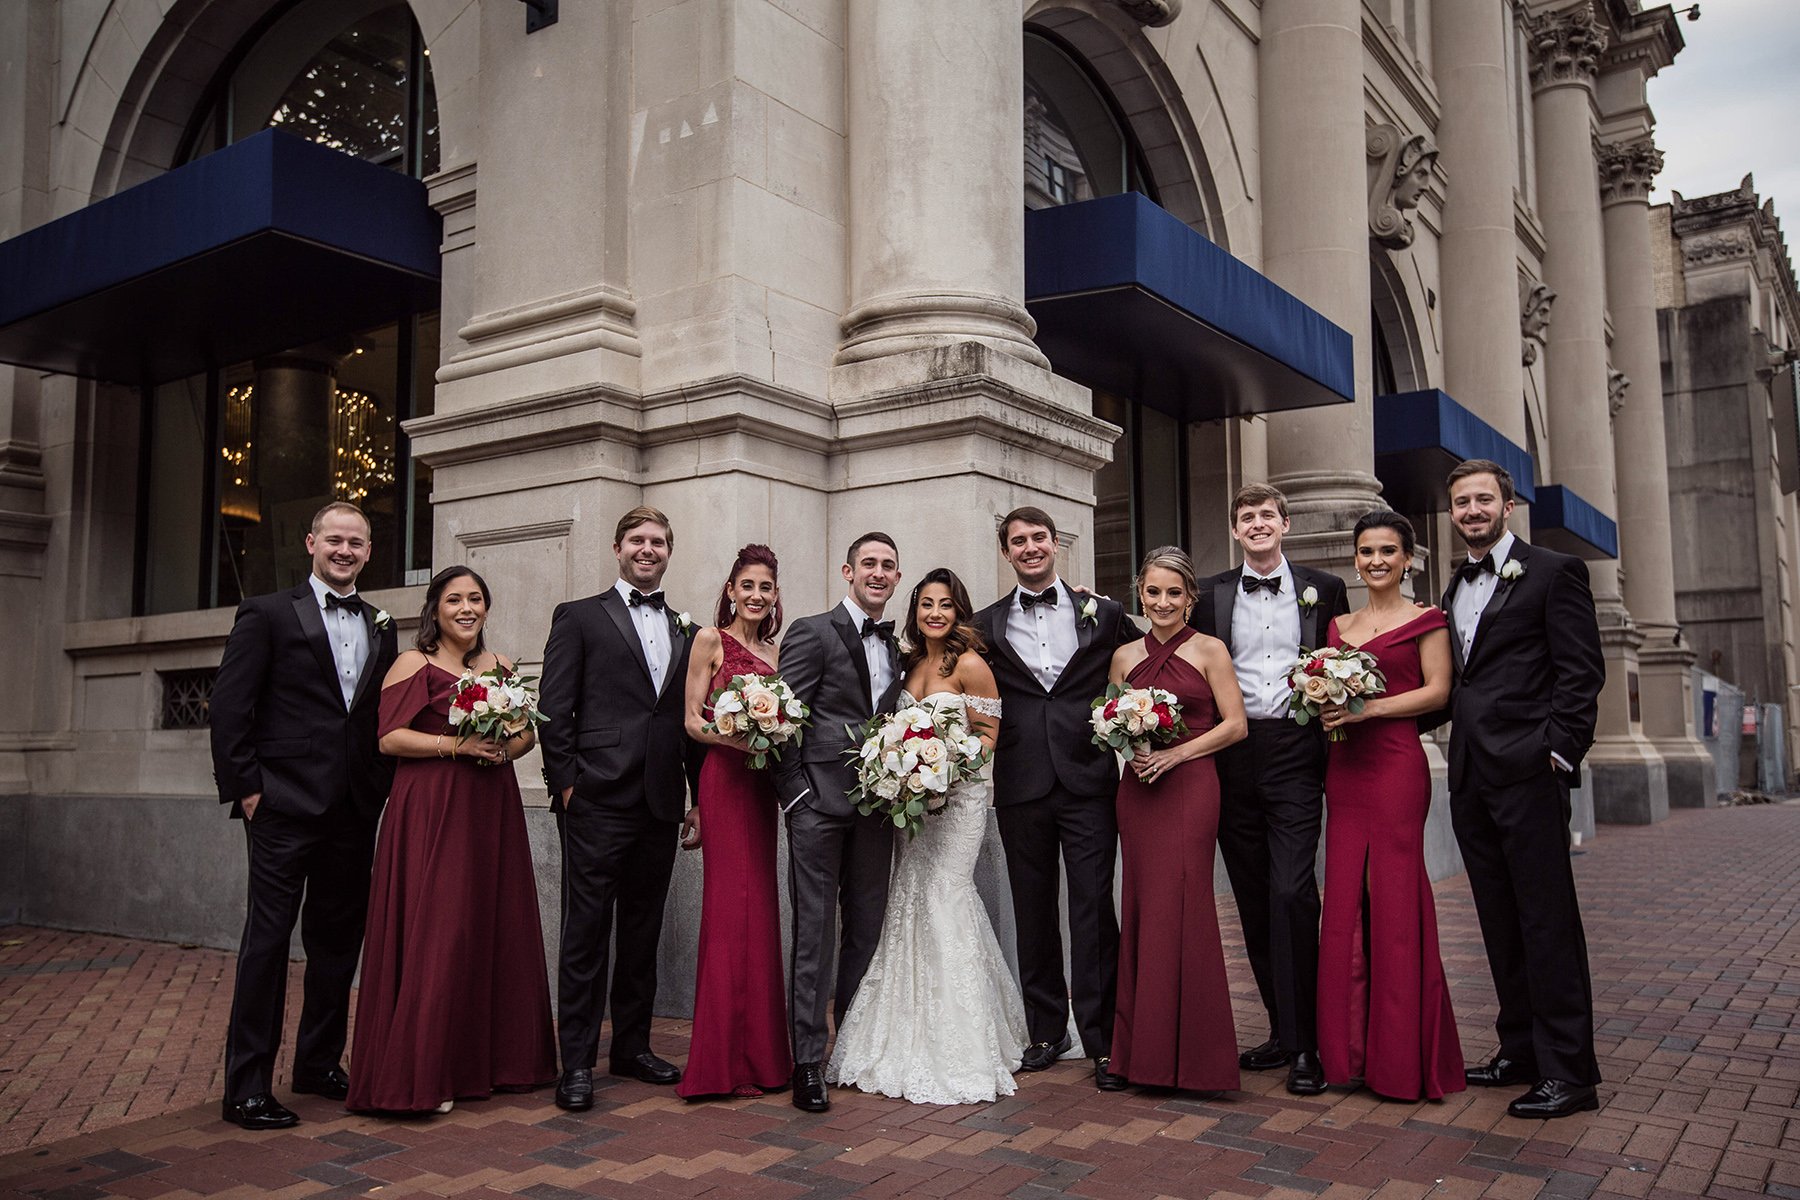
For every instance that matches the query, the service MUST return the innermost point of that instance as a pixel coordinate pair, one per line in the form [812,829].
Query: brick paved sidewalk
[109,1084]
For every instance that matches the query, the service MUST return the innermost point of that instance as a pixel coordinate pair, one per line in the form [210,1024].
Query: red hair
[753,555]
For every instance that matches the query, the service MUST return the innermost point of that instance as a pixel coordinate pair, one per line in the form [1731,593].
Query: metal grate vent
[187,697]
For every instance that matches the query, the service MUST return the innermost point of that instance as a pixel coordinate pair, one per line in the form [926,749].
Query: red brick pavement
[109,1079]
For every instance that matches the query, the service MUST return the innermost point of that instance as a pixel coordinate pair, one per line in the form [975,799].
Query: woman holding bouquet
[1172,1026]
[454,1001]
[739,1045]
[1384,1009]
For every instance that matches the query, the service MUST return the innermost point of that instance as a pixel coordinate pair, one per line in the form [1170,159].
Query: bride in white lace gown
[938,1018]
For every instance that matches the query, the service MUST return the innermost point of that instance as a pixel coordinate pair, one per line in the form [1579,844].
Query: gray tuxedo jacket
[822,659]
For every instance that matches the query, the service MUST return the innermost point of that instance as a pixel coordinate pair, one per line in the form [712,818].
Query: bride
[938,1018]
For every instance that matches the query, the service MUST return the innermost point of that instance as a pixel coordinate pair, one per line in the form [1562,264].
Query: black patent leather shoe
[1499,1071]
[575,1091]
[1041,1056]
[1306,1075]
[1265,1057]
[333,1084]
[1105,1079]
[809,1088]
[259,1113]
[648,1068]
[1552,1098]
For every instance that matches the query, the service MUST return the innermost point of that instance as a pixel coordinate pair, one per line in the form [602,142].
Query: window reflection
[1075,147]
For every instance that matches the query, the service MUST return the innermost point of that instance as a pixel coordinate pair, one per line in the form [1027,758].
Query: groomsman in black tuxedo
[1272,784]
[844,665]
[294,711]
[1529,671]
[619,764]
[1050,649]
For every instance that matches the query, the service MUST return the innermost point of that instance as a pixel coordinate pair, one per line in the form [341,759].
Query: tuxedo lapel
[998,639]
[374,644]
[615,608]
[678,645]
[852,639]
[1310,638]
[306,607]
[1224,600]
[1503,588]
[1448,604]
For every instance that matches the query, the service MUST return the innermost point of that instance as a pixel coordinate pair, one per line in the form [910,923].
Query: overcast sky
[1730,106]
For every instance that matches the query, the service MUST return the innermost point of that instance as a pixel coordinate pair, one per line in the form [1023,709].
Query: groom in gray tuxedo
[843,664]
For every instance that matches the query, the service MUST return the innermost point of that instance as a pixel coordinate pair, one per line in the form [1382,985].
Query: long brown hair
[963,635]
[755,554]
[429,635]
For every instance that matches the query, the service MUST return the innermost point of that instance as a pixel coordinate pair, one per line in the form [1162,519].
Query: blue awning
[268,244]
[1420,436]
[1129,300]
[1564,521]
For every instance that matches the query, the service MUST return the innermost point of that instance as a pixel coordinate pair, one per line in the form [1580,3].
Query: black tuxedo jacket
[1531,684]
[279,725]
[610,735]
[823,660]
[1216,597]
[1045,738]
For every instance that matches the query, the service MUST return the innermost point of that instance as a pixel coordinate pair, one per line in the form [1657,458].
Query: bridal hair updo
[963,635]
[430,635]
[1167,558]
[759,555]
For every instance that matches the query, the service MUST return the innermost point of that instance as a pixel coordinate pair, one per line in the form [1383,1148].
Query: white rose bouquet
[497,704]
[907,763]
[1344,675]
[1126,719]
[764,711]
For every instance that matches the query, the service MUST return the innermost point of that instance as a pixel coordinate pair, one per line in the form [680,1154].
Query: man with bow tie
[620,768]
[1526,647]
[1050,649]
[843,665]
[1272,784]
[294,710]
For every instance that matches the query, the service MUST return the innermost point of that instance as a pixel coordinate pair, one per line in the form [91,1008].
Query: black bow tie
[881,629]
[353,603]
[1475,566]
[1027,601]
[654,599]
[1256,583]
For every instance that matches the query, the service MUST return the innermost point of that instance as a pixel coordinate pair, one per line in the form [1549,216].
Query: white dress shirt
[1472,595]
[875,652]
[348,635]
[1045,637]
[1265,642]
[652,626]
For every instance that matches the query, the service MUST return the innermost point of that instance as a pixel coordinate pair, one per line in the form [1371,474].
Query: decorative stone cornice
[1535,302]
[1566,45]
[1627,170]
[1399,175]
[1153,13]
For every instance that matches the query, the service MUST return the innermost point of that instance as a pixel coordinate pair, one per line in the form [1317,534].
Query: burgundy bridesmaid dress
[1384,1008]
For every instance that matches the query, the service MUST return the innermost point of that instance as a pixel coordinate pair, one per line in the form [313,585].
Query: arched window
[1076,146]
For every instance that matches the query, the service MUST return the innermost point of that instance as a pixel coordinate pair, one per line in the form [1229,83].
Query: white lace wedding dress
[938,1018]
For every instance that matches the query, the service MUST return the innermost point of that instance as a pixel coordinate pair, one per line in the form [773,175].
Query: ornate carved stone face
[1410,183]
[1534,318]
[1399,173]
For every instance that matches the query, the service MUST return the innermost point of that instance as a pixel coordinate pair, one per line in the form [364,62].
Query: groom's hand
[690,830]
[249,803]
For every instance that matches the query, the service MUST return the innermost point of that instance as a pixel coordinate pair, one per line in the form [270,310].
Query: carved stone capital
[1719,245]
[1565,46]
[1535,302]
[1627,170]
[1616,384]
[1154,13]
[1399,170]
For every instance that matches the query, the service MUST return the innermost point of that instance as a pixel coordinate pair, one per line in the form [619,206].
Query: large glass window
[1076,148]
[1140,497]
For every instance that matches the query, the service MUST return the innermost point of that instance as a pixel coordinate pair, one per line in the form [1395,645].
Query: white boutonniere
[382,619]
[1511,569]
[1089,611]
[685,623]
[1309,596]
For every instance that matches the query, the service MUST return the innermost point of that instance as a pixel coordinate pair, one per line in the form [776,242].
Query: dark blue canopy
[1420,436]
[1564,521]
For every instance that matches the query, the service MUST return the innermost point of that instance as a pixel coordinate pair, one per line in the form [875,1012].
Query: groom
[1529,671]
[1050,650]
[843,665]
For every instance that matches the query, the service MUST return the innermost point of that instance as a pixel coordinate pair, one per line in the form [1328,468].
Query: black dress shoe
[1306,1075]
[1040,1056]
[1552,1098]
[809,1088]
[258,1113]
[1499,1071]
[648,1068]
[1265,1057]
[333,1084]
[1105,1080]
[575,1092]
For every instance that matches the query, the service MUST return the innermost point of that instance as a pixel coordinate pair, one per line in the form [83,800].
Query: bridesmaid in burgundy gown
[1173,1024]
[739,1045]
[1384,1009]
[454,1001]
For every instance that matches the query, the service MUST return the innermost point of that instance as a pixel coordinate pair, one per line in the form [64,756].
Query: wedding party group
[383,818]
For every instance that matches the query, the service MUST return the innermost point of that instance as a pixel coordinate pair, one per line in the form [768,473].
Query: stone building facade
[788,270]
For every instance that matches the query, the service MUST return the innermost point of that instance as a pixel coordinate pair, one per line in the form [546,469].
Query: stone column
[1316,245]
[1645,540]
[1628,777]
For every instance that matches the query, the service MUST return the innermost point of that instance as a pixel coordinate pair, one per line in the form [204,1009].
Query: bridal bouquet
[1344,675]
[495,704]
[764,710]
[1127,719]
[907,763]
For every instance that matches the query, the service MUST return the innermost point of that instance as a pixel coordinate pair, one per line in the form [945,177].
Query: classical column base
[914,321]
[1668,704]
[1629,782]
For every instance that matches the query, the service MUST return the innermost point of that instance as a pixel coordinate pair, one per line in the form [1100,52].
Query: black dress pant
[1271,809]
[314,871]
[1515,846]
[837,862]
[616,863]
[1085,830]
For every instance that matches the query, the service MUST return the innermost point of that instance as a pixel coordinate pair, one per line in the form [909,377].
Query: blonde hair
[1168,558]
